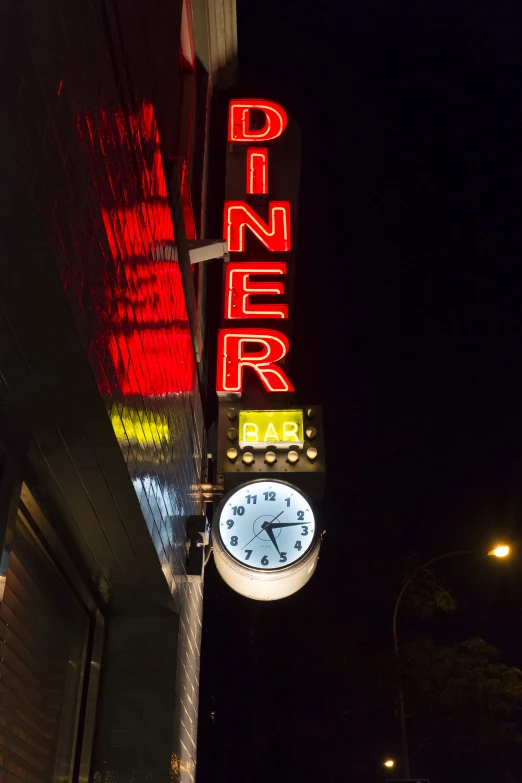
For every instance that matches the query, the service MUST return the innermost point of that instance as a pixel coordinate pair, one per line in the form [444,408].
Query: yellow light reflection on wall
[144,429]
[271,428]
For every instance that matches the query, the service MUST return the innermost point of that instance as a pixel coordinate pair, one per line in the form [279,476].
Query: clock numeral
[298,545]
[283,557]
[300,516]
[233,541]
[304,528]
[251,499]
[269,495]
[248,552]
[264,560]
[239,510]
[287,501]
[229,523]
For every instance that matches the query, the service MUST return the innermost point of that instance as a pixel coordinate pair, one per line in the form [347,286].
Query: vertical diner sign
[258,235]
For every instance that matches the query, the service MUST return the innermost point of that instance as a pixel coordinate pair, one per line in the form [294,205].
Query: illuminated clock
[266,539]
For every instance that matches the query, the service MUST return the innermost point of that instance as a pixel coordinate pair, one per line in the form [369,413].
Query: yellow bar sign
[279,429]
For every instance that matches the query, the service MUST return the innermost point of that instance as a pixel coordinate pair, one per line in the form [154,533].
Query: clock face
[267,525]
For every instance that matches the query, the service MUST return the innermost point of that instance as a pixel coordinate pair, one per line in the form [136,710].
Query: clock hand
[272,538]
[288,524]
[264,528]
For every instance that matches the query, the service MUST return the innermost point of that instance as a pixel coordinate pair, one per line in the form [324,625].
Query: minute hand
[264,527]
[288,524]
[272,538]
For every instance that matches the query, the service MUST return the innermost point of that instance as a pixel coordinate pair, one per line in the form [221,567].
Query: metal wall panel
[88,141]
[84,134]
[43,630]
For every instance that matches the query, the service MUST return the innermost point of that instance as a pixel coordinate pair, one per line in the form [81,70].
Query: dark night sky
[409,259]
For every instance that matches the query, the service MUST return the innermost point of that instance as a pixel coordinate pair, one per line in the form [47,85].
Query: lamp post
[499,551]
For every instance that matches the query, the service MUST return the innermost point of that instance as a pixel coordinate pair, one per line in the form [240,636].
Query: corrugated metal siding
[43,631]
[83,128]
[223,41]
[105,229]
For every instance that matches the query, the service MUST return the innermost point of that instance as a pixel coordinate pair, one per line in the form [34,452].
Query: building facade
[105,136]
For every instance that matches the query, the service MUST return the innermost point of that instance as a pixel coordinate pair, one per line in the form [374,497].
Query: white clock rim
[252,569]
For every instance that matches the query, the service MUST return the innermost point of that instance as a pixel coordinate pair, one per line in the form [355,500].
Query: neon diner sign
[239,346]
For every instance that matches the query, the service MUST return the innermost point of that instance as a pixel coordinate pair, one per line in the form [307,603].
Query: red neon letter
[257,171]
[275,235]
[239,120]
[233,355]
[239,287]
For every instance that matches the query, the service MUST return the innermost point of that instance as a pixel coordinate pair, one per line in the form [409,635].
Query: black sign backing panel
[306,474]
[284,166]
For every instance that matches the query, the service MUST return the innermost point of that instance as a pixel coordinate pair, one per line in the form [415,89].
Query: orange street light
[502,550]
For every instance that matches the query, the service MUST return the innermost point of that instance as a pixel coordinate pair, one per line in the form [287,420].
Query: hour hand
[270,532]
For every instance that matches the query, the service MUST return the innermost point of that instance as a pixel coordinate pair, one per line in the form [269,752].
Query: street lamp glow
[500,551]
[389,763]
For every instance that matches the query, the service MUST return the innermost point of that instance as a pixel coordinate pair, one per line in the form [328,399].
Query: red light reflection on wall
[150,294]
[128,229]
[144,360]
[240,120]
[236,351]
[274,235]
[257,171]
[239,287]
[147,333]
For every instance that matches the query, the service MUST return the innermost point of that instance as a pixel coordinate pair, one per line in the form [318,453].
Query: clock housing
[266,539]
